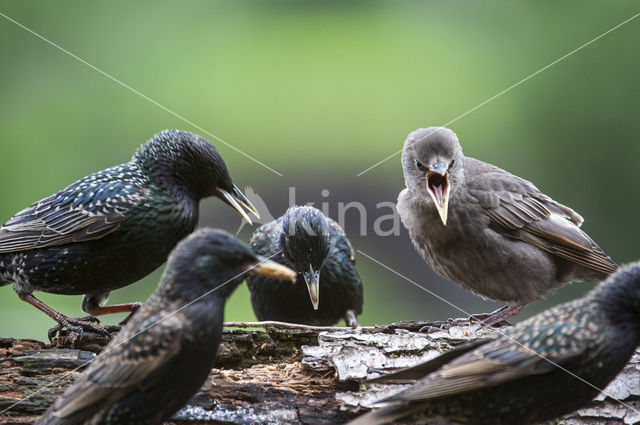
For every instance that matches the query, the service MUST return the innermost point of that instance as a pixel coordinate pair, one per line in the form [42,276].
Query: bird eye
[420,166]
[452,161]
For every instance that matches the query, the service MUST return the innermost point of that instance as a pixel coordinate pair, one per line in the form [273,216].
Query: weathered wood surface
[280,376]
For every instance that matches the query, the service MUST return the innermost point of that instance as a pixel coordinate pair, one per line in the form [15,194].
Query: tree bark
[279,375]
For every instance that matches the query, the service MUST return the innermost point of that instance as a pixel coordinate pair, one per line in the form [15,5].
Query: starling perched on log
[158,361]
[545,367]
[316,247]
[491,232]
[115,226]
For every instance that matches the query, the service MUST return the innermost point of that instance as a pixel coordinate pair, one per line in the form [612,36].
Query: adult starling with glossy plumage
[545,367]
[491,232]
[164,354]
[115,226]
[317,248]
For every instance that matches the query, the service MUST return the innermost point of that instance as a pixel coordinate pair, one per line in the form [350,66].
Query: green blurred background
[320,91]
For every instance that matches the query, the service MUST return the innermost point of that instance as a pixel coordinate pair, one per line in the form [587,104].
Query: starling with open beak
[163,355]
[115,226]
[317,248]
[547,366]
[491,232]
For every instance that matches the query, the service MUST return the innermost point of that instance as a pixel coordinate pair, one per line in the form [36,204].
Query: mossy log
[278,375]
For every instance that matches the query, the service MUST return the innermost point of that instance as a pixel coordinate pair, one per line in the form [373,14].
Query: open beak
[272,269]
[237,201]
[312,279]
[439,188]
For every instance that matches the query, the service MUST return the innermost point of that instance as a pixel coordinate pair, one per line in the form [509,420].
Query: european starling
[545,367]
[115,226]
[491,232]
[164,354]
[315,246]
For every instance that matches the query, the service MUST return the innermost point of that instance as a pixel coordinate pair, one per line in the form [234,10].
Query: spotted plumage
[488,230]
[163,355]
[317,248]
[544,367]
[113,227]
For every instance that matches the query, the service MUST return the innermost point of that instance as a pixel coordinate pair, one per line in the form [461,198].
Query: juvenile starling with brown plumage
[488,230]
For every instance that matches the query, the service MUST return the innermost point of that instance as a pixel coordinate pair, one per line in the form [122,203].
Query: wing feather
[502,360]
[338,232]
[415,373]
[88,209]
[136,360]
[518,210]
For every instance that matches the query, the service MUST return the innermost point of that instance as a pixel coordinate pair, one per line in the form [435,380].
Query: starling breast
[545,367]
[317,248]
[491,232]
[115,226]
[158,361]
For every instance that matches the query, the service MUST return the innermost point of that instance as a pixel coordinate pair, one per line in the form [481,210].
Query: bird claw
[480,319]
[76,327]
[433,329]
[92,319]
[450,323]
[461,321]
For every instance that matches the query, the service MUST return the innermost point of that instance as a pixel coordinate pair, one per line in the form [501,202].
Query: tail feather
[384,415]
[415,413]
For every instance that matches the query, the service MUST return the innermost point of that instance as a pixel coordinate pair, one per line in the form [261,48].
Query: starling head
[211,259]
[432,165]
[185,162]
[620,298]
[306,244]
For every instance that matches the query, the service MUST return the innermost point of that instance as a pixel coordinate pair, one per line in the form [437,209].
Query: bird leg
[78,325]
[91,303]
[488,319]
[350,319]
[501,314]
[130,308]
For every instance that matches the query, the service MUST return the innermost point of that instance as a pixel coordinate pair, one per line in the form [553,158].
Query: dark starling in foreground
[519,377]
[158,361]
[316,247]
[491,232]
[115,226]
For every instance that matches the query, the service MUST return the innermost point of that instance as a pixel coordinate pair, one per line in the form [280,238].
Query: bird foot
[350,319]
[481,318]
[433,329]
[134,308]
[460,321]
[499,317]
[486,320]
[76,327]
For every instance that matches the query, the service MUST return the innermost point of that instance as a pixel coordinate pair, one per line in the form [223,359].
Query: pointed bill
[231,200]
[312,279]
[237,193]
[272,269]
[439,189]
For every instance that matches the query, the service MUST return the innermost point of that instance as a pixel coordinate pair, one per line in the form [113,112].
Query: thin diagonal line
[108,349]
[114,79]
[499,332]
[544,68]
